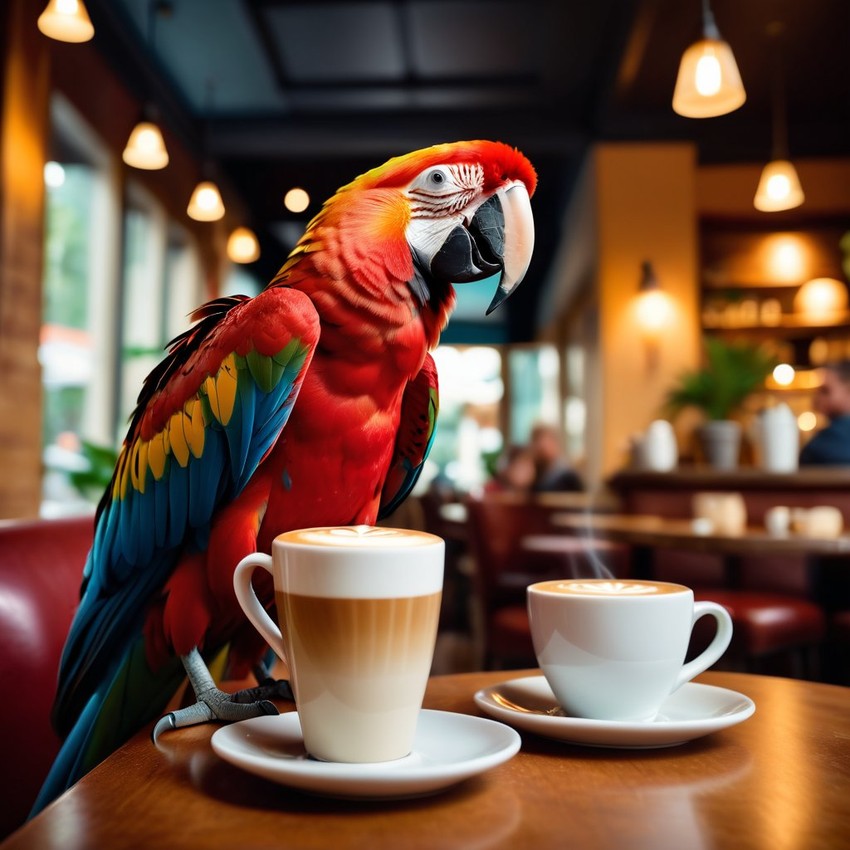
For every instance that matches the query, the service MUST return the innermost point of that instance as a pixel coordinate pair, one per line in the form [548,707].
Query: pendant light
[145,147]
[206,203]
[708,83]
[66,20]
[242,246]
[779,186]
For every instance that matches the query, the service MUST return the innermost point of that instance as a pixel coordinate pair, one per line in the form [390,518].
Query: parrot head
[398,237]
[469,215]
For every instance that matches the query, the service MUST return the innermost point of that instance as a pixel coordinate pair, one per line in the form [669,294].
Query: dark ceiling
[283,93]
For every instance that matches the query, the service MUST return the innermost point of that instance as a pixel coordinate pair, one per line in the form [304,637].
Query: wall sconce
[709,83]
[653,309]
[779,186]
[66,20]
[205,203]
[822,300]
[242,246]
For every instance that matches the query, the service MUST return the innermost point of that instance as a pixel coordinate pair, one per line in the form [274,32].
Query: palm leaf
[732,372]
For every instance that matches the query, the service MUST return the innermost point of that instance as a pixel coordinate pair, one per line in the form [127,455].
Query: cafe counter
[669,494]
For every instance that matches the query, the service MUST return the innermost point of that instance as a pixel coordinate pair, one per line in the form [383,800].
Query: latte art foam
[616,588]
[611,588]
[358,536]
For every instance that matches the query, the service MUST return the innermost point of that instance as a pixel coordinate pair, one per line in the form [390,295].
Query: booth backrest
[41,565]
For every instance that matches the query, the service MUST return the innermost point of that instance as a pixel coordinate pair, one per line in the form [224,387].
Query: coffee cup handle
[247,599]
[715,649]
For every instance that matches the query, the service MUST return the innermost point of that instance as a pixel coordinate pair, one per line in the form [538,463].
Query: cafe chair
[41,565]
[497,524]
[775,625]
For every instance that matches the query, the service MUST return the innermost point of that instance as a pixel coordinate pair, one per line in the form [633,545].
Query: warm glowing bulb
[822,299]
[296,200]
[779,187]
[708,74]
[66,20]
[708,82]
[145,147]
[783,374]
[206,203]
[653,310]
[807,421]
[242,246]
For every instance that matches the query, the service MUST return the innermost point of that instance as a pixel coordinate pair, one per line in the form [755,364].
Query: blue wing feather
[145,522]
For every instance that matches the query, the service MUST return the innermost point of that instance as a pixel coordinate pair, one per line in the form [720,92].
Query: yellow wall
[645,210]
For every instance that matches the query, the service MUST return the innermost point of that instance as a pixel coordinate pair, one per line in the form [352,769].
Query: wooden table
[647,533]
[778,781]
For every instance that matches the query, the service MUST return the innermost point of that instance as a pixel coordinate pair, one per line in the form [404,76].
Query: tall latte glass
[358,608]
[613,649]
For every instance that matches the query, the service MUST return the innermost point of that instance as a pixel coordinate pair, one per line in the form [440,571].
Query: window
[481,413]
[75,333]
[161,287]
[100,338]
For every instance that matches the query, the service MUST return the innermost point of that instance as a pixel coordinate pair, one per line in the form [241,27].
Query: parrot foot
[213,703]
[266,689]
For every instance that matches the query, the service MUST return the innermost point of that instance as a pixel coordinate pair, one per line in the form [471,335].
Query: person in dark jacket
[831,445]
[553,471]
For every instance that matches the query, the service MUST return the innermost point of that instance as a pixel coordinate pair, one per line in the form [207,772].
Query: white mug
[615,649]
[358,608]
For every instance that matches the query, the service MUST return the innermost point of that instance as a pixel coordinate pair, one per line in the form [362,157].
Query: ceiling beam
[378,133]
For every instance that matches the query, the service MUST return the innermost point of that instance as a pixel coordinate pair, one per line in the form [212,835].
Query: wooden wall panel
[23,133]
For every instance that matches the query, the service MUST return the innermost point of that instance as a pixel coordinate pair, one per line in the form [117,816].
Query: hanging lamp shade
[66,20]
[709,83]
[205,203]
[779,187]
[146,147]
[242,246]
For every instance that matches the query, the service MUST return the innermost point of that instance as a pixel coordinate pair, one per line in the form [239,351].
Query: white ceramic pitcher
[779,439]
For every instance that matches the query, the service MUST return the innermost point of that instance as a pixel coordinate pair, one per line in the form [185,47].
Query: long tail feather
[134,697]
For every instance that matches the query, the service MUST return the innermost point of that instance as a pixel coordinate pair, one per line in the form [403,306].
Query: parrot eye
[437,177]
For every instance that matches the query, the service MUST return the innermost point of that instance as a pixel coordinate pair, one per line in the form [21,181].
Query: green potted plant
[730,374]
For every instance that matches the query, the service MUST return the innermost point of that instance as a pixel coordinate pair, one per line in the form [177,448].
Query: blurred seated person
[554,473]
[831,445]
[515,472]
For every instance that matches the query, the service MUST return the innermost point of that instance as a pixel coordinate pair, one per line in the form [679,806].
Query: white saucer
[691,712]
[448,748]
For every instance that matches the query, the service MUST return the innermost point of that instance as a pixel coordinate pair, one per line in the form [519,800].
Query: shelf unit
[751,272]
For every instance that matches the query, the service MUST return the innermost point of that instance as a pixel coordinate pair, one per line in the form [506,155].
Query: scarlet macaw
[313,403]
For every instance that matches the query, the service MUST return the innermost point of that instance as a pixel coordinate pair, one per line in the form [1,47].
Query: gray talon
[215,704]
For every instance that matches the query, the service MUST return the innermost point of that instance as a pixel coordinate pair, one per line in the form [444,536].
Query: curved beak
[498,238]
[518,240]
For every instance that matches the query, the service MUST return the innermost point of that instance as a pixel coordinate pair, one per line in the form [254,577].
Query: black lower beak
[473,252]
